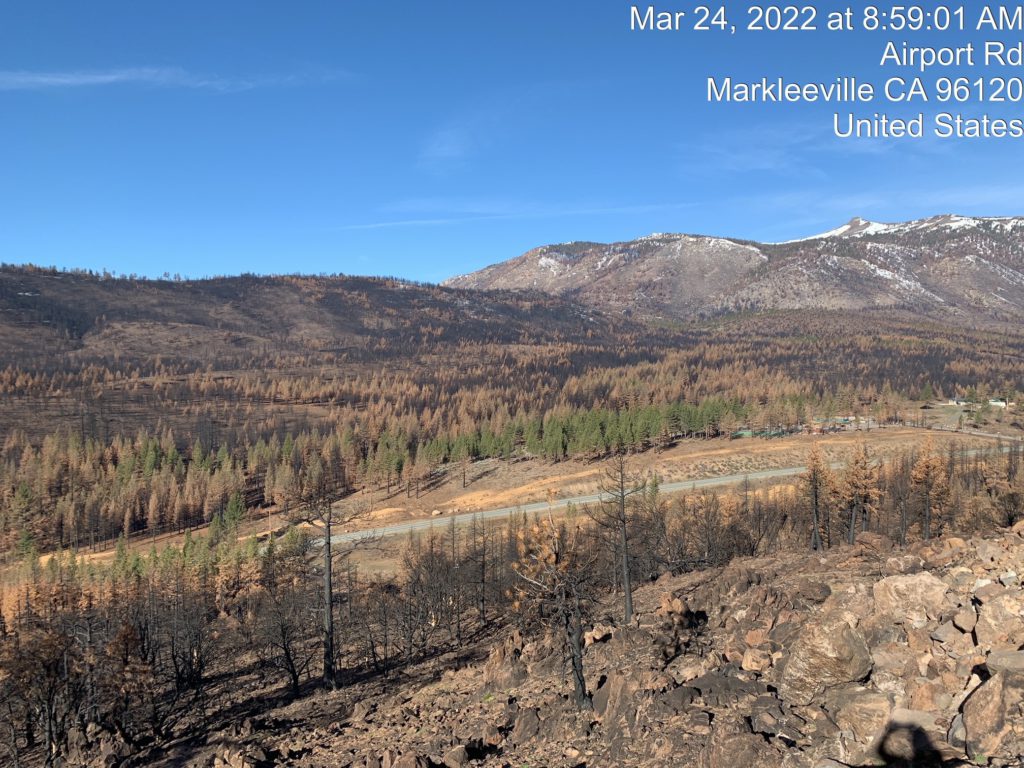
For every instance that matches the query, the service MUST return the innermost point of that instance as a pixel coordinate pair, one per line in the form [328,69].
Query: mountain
[971,267]
[46,315]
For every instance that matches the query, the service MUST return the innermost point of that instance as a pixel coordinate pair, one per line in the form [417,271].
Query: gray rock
[957,734]
[1005,661]
[721,690]
[946,633]
[527,726]
[827,653]
[1010,579]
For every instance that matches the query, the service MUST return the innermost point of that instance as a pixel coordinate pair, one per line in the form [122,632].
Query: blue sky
[426,139]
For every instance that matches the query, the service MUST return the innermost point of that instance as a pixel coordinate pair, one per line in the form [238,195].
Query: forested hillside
[132,406]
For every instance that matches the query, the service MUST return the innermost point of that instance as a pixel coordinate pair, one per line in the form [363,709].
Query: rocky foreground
[863,656]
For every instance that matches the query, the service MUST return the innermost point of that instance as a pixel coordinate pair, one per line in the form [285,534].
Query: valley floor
[497,485]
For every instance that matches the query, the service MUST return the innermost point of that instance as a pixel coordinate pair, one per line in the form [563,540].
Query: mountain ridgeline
[134,406]
[959,267]
[179,422]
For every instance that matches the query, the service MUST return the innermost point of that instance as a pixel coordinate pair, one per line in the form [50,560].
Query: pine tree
[819,487]
[617,485]
[555,573]
[860,491]
[930,482]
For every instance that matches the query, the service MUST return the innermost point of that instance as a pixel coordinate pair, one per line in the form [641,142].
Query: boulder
[505,667]
[993,726]
[913,737]
[855,599]
[874,542]
[966,618]
[456,757]
[1005,661]
[615,701]
[526,727]
[756,660]
[732,744]
[412,761]
[862,712]
[828,652]
[986,589]
[957,734]
[928,695]
[989,552]
[946,633]
[898,595]
[1000,624]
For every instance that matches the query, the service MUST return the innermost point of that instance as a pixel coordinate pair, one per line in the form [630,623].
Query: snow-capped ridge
[949,222]
[967,265]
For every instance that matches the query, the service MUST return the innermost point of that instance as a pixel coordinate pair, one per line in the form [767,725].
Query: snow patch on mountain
[858,227]
[905,281]
[551,264]
[1006,273]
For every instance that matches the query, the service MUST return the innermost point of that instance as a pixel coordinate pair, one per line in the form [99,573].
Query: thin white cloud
[166,77]
[449,143]
[450,146]
[516,213]
[402,223]
[450,206]
[791,150]
[471,132]
[989,199]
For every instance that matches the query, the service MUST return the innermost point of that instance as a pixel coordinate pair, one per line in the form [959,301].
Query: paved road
[442,523]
